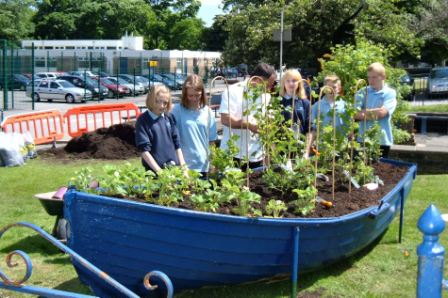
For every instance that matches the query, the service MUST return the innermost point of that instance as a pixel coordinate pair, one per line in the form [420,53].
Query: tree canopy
[163,24]
[318,25]
[411,30]
[15,19]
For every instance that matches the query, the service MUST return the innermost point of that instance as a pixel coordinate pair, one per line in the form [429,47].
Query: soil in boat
[117,142]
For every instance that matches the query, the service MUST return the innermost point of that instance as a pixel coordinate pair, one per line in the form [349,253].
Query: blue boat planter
[127,239]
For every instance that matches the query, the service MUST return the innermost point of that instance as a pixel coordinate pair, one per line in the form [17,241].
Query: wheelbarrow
[53,203]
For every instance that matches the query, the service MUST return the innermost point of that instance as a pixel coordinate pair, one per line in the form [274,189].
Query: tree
[186,34]
[317,25]
[15,19]
[431,24]
[214,38]
[109,19]
[177,26]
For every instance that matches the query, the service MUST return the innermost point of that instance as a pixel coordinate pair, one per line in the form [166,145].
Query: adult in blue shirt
[196,124]
[376,104]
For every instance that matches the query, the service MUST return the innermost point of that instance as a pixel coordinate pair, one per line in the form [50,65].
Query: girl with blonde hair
[156,134]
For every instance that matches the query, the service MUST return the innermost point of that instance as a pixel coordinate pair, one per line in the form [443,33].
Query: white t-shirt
[234,104]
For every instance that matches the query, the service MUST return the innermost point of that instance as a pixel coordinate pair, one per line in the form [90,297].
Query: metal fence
[19,66]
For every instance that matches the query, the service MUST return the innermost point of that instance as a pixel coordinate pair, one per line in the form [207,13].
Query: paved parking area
[23,104]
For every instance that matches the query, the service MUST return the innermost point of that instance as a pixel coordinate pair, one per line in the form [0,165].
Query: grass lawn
[439,108]
[381,270]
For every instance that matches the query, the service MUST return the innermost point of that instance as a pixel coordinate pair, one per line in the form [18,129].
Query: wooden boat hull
[128,239]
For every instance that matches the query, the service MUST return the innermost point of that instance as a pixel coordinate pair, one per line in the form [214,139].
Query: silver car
[139,88]
[58,90]
[438,81]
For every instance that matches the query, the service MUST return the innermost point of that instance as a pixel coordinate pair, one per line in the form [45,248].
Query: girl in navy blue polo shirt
[156,134]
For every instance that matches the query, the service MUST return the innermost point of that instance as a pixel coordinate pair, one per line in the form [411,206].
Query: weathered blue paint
[431,254]
[295,261]
[195,249]
[105,279]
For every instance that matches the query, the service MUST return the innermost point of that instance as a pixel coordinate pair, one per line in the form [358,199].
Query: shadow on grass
[32,244]
[282,286]
[74,285]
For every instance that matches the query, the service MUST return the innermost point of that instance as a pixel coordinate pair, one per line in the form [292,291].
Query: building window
[111,48]
[40,62]
[69,48]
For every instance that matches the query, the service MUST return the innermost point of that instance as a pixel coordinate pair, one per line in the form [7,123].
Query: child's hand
[185,170]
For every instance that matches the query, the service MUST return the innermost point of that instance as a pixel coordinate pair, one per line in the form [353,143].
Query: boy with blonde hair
[323,111]
[376,104]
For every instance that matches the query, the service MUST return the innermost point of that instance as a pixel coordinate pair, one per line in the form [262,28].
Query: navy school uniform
[301,113]
[159,136]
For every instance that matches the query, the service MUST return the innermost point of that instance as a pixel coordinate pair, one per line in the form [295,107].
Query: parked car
[114,89]
[409,81]
[148,83]
[174,77]
[47,75]
[16,82]
[157,78]
[103,74]
[140,85]
[58,90]
[81,73]
[138,89]
[438,81]
[89,84]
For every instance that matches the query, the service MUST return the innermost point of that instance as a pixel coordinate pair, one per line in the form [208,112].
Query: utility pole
[281,42]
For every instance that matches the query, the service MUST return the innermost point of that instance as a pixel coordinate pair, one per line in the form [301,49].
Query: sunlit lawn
[381,270]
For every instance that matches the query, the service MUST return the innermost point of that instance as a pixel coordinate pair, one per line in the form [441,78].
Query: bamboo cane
[247,126]
[357,87]
[334,144]
[212,84]
[318,134]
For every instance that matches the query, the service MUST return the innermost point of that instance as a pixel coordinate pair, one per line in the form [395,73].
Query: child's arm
[180,157]
[152,163]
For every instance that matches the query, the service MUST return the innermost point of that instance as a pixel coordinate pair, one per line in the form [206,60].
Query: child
[377,105]
[196,124]
[292,86]
[323,110]
[156,134]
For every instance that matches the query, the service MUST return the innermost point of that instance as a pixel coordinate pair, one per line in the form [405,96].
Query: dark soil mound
[114,142]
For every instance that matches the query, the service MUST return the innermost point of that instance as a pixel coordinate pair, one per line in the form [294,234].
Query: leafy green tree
[186,34]
[215,37]
[107,19]
[316,27]
[431,26]
[16,19]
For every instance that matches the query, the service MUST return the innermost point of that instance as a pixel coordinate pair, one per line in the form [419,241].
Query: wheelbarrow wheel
[61,229]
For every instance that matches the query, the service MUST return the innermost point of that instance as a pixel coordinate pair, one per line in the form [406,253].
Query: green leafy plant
[275,208]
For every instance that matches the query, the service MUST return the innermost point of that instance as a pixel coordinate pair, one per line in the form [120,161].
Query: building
[125,55]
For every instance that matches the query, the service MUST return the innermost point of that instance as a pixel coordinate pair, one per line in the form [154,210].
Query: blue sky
[208,10]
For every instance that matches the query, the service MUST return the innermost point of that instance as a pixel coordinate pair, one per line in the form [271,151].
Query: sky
[208,10]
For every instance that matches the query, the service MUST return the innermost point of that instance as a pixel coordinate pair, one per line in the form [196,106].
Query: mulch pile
[114,142]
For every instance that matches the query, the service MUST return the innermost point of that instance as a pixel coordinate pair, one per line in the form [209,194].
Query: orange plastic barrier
[44,126]
[89,118]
